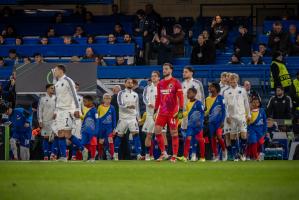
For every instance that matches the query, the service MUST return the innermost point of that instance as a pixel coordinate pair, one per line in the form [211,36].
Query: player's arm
[40,109]
[113,118]
[265,128]
[144,96]
[137,108]
[120,101]
[246,104]
[74,95]
[223,110]
[202,92]
[180,95]
[158,99]
[202,114]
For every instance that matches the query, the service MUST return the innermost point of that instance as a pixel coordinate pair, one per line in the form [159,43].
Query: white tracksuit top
[236,103]
[66,95]
[126,98]
[149,97]
[46,108]
[193,83]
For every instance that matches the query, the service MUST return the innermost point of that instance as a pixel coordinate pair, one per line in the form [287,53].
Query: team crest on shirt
[170,85]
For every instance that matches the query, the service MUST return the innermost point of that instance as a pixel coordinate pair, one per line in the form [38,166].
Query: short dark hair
[37,54]
[263,44]
[156,72]
[129,79]
[140,12]
[77,84]
[280,87]
[12,51]
[216,86]
[189,68]
[277,23]
[49,85]
[61,67]
[88,98]
[192,90]
[169,64]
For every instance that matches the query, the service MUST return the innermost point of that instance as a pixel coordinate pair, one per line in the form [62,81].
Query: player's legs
[148,146]
[101,142]
[201,141]
[24,153]
[111,145]
[121,129]
[173,126]
[234,145]
[161,121]
[14,148]
[134,130]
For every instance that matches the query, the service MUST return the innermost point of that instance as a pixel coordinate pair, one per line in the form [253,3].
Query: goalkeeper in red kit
[168,110]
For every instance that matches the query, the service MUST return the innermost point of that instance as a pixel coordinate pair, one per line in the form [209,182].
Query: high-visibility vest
[296,85]
[284,76]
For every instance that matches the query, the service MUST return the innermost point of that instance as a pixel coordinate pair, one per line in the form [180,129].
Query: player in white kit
[129,116]
[45,113]
[237,115]
[67,109]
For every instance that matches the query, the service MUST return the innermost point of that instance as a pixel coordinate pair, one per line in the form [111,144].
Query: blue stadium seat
[70,50]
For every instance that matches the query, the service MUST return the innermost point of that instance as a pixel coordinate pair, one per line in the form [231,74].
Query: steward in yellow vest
[279,75]
[294,92]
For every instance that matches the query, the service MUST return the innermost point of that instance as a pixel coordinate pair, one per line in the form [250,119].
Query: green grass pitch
[142,180]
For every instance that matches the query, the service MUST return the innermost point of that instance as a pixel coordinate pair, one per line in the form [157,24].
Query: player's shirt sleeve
[120,101]
[158,99]
[40,109]
[223,110]
[144,96]
[246,103]
[72,89]
[137,107]
[180,94]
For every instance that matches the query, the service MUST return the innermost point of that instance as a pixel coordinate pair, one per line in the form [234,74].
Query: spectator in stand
[89,54]
[51,33]
[120,60]
[263,50]
[279,75]
[294,93]
[164,49]
[279,40]
[88,17]
[68,40]
[90,39]
[10,89]
[118,30]
[293,32]
[80,10]
[58,18]
[211,57]
[2,40]
[79,32]
[44,40]
[7,12]
[235,60]
[99,60]
[115,13]
[256,59]
[295,47]
[12,56]
[252,94]
[128,40]
[145,26]
[243,42]
[26,60]
[219,32]
[9,32]
[19,40]
[38,58]
[2,63]
[177,39]
[280,105]
[200,52]
[116,89]
[152,14]
[111,39]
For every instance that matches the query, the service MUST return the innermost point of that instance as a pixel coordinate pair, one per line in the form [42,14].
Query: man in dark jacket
[280,105]
[177,39]
[219,33]
[199,55]
[164,49]
[279,40]
[243,42]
